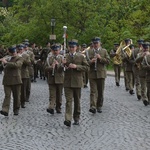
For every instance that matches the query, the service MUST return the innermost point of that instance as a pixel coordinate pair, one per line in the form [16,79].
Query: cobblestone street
[124,123]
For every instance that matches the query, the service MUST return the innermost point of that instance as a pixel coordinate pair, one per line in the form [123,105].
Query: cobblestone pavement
[123,125]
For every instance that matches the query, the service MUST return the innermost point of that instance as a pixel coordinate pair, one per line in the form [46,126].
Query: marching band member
[116,65]
[12,81]
[55,78]
[146,66]
[142,73]
[75,64]
[98,59]
[24,72]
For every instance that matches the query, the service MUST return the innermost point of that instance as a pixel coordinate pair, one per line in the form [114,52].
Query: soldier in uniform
[31,71]
[142,73]
[75,64]
[127,59]
[44,53]
[24,72]
[85,74]
[55,78]
[146,66]
[98,59]
[116,65]
[12,81]
[136,68]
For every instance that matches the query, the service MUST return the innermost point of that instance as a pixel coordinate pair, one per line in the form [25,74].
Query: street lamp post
[53,36]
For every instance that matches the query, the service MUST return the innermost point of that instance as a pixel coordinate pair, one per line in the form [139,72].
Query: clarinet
[53,71]
[95,65]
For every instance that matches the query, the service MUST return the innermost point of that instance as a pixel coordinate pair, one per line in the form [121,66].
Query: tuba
[122,50]
[117,59]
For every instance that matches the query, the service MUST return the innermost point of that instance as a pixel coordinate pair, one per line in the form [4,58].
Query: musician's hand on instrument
[64,61]
[98,56]
[73,66]
[53,65]
[3,60]
[93,60]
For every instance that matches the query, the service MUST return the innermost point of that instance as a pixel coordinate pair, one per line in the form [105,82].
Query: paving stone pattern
[124,123]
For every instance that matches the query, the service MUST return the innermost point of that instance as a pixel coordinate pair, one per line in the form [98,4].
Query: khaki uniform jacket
[101,63]
[32,59]
[74,77]
[12,71]
[146,66]
[129,61]
[26,63]
[58,77]
[139,59]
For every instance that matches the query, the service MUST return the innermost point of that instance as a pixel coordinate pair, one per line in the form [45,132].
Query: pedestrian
[98,59]
[55,78]
[142,73]
[116,64]
[75,64]
[24,72]
[12,81]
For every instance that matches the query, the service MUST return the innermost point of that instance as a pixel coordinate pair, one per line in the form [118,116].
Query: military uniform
[129,69]
[12,82]
[43,56]
[136,68]
[24,73]
[146,66]
[31,71]
[142,75]
[97,75]
[55,79]
[75,64]
[116,66]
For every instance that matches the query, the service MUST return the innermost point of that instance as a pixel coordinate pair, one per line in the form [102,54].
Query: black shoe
[99,110]
[58,111]
[67,123]
[16,112]
[139,97]
[51,111]
[131,92]
[92,110]
[76,123]
[85,86]
[145,102]
[127,89]
[23,106]
[117,84]
[3,113]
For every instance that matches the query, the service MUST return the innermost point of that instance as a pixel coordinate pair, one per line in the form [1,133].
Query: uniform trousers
[137,81]
[97,92]
[16,92]
[125,78]
[143,88]
[28,89]
[148,91]
[55,99]
[24,90]
[130,79]
[72,94]
[117,70]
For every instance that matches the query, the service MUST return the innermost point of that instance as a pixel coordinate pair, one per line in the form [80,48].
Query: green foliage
[112,20]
